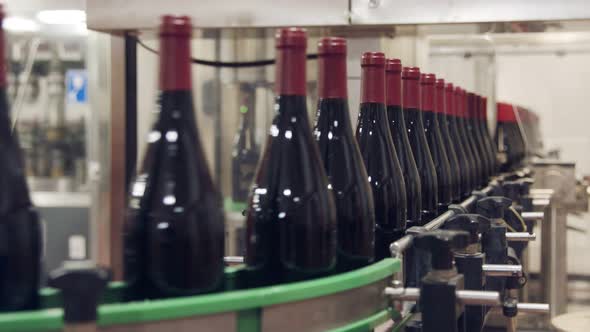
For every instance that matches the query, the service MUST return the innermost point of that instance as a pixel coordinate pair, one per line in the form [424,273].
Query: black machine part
[474,224]
[493,207]
[440,243]
[81,284]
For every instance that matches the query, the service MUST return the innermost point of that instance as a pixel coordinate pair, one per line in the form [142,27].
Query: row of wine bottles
[323,200]
[325,206]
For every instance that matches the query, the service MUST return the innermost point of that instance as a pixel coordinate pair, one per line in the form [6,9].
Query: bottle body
[468,143]
[451,150]
[384,174]
[424,163]
[470,124]
[174,231]
[399,134]
[349,183]
[291,223]
[440,117]
[440,160]
[465,163]
[471,152]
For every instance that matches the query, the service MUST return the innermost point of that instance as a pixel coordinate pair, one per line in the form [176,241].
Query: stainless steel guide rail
[399,246]
[468,297]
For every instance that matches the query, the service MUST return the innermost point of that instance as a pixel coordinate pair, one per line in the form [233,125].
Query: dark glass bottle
[174,230]
[470,120]
[509,138]
[435,142]
[465,164]
[291,229]
[399,134]
[342,159]
[448,144]
[379,156]
[244,157]
[419,144]
[461,99]
[20,229]
[477,126]
[485,132]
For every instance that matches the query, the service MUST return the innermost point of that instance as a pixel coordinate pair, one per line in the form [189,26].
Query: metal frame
[143,14]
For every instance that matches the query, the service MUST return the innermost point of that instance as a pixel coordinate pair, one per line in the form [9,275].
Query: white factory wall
[556,87]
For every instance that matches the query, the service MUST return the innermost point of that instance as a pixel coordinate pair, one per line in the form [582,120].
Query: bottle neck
[332,76]
[427,95]
[175,63]
[290,71]
[414,118]
[395,115]
[373,84]
[292,106]
[335,109]
[393,84]
[374,111]
[411,93]
[430,120]
[444,123]
[176,108]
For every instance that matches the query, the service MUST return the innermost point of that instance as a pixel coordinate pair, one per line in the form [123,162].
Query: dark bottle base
[268,276]
[159,294]
[348,263]
[144,290]
[20,260]
[383,239]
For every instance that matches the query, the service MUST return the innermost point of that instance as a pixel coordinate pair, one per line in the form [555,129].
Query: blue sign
[77,86]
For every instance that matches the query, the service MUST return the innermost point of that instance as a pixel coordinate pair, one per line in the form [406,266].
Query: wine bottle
[244,156]
[379,156]
[492,150]
[478,127]
[174,230]
[419,144]
[465,164]
[470,120]
[461,96]
[20,229]
[435,142]
[508,137]
[401,143]
[291,229]
[447,142]
[342,159]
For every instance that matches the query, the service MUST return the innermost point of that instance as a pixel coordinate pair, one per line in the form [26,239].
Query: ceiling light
[19,24]
[61,16]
